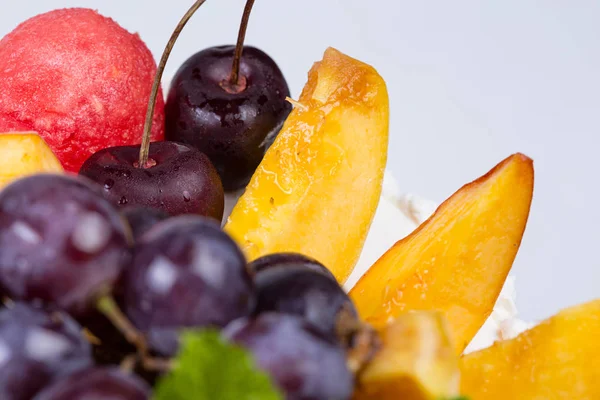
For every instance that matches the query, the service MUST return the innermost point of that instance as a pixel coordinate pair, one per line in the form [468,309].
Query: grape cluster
[65,250]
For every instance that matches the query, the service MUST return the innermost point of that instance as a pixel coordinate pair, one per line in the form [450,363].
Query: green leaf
[207,368]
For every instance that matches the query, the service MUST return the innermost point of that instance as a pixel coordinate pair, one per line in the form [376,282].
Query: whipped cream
[396,217]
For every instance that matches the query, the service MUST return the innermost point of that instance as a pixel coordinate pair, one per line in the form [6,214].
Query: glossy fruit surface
[416,361]
[288,259]
[456,262]
[178,179]
[78,79]
[186,272]
[61,242]
[233,128]
[301,362]
[300,290]
[97,384]
[141,219]
[23,154]
[557,359]
[324,171]
[37,347]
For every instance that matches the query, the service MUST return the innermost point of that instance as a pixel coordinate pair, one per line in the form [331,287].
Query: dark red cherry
[229,102]
[177,179]
[233,128]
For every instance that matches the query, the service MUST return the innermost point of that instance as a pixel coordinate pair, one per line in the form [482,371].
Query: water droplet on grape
[186,196]
[123,201]
[108,184]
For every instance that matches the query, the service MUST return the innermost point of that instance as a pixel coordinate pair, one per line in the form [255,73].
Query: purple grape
[186,272]
[178,179]
[60,242]
[291,259]
[141,219]
[233,128]
[37,347]
[302,362]
[97,384]
[302,289]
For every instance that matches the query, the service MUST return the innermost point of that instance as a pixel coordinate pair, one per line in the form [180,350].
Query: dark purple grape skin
[291,259]
[36,348]
[304,364]
[61,242]
[98,384]
[186,272]
[182,180]
[141,219]
[298,288]
[233,129]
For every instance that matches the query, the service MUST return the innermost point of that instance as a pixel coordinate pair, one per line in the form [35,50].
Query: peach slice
[558,359]
[317,189]
[457,261]
[416,361]
[25,153]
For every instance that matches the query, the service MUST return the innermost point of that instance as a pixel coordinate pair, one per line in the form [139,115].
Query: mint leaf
[207,368]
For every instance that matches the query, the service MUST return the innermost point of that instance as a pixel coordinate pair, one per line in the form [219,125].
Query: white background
[470,83]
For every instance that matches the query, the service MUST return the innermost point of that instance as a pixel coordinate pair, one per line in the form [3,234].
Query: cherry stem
[239,47]
[145,147]
[107,306]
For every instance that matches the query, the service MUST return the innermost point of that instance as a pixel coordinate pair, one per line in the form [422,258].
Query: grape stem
[157,364]
[109,308]
[145,147]
[236,82]
[361,339]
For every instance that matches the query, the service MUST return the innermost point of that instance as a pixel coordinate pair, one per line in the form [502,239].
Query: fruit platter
[223,240]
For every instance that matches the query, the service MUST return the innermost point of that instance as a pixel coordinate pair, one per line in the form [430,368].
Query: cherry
[181,179]
[170,176]
[229,106]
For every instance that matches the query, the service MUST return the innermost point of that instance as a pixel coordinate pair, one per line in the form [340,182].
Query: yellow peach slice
[558,359]
[416,361]
[317,189]
[457,261]
[25,153]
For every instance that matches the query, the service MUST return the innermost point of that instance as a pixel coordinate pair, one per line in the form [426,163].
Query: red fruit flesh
[79,80]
